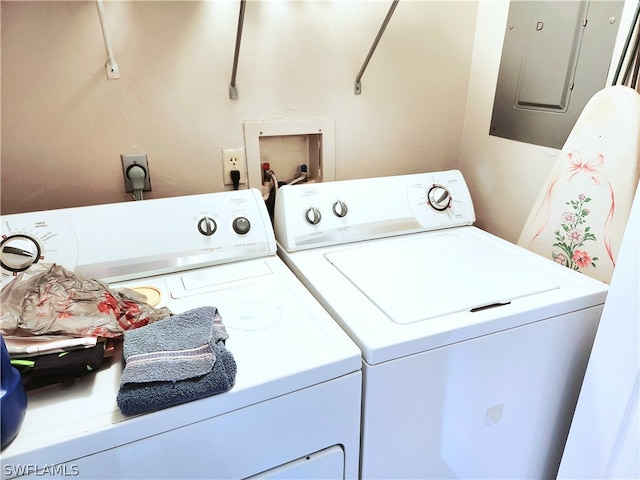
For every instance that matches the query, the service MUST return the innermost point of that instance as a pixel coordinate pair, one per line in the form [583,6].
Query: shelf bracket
[113,71]
[358,86]
[233,88]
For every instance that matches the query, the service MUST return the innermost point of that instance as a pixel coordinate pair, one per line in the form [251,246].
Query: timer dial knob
[439,197]
[19,252]
[207,226]
[340,209]
[312,216]
[241,225]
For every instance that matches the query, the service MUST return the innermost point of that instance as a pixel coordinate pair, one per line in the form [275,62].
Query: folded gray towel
[175,360]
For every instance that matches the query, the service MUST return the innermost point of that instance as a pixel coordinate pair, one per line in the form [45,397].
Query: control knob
[207,226]
[312,216]
[241,225]
[19,252]
[439,198]
[340,209]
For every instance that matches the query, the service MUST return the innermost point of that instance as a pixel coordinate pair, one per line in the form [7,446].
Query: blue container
[14,398]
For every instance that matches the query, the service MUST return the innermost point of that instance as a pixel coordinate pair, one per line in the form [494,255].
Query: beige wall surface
[426,101]
[64,124]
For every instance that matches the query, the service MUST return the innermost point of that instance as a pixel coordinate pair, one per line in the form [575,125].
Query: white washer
[294,411]
[473,348]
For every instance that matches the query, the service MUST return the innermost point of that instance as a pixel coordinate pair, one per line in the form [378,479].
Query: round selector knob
[19,252]
[241,225]
[312,216]
[340,209]
[439,198]
[207,226]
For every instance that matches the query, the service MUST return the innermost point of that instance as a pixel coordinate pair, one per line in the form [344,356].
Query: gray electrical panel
[555,57]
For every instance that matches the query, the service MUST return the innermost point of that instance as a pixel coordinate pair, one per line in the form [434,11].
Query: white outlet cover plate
[234,159]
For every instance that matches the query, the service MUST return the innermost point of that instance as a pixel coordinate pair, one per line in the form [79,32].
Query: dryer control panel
[331,213]
[119,241]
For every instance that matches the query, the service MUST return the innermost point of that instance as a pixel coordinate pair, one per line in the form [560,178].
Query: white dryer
[473,348]
[294,411]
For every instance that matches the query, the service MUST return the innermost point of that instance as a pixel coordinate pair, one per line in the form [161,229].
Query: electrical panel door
[555,56]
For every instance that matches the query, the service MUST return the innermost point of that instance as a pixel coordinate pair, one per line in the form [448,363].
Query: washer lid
[413,280]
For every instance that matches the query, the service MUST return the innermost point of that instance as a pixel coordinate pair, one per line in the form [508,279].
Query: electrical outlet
[129,160]
[234,159]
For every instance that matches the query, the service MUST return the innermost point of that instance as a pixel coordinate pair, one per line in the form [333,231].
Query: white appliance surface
[474,349]
[295,405]
[438,285]
[604,440]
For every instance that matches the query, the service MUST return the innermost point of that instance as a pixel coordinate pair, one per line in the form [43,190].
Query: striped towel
[175,360]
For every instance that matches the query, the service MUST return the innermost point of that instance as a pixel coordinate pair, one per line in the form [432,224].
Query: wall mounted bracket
[358,86]
[113,71]
[233,88]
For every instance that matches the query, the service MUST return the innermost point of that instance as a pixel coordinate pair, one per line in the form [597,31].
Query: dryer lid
[417,279]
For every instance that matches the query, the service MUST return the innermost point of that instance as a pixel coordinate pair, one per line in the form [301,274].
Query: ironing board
[580,215]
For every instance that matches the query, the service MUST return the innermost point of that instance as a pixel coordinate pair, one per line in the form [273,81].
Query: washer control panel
[314,215]
[127,240]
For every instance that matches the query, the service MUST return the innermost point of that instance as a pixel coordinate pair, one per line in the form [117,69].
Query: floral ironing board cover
[580,215]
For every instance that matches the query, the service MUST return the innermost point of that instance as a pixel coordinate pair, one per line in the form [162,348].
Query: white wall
[504,176]
[64,124]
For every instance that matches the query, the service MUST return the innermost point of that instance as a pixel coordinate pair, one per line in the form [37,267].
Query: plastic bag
[48,299]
